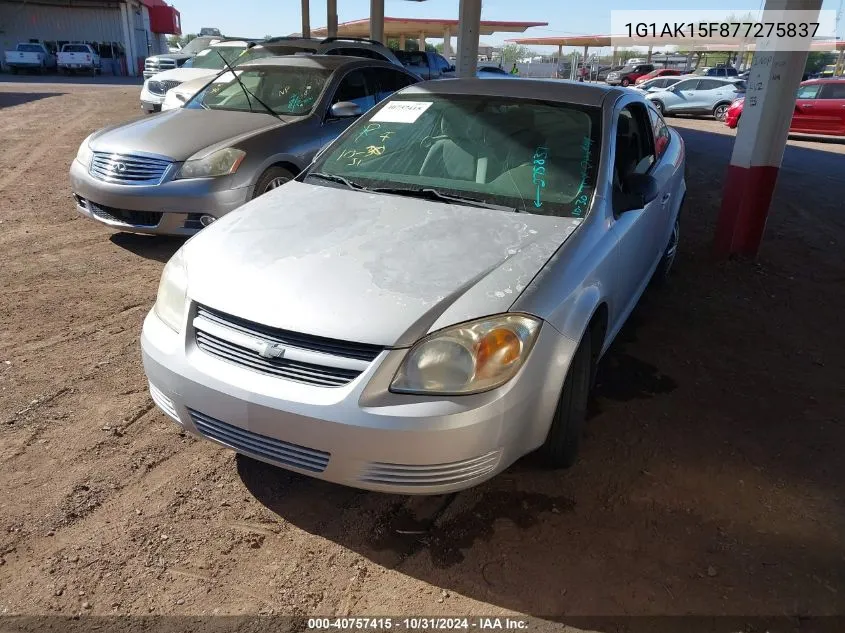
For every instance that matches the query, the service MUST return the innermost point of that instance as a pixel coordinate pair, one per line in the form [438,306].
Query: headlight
[172,292]
[468,358]
[219,163]
[84,155]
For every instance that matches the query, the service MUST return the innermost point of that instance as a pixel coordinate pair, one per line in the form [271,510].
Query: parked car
[658,83]
[716,71]
[694,95]
[168,61]
[819,108]
[176,96]
[426,65]
[235,140]
[427,302]
[31,56]
[204,65]
[628,74]
[78,57]
[658,72]
[604,71]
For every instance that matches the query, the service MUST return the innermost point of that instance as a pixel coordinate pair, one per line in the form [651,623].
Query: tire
[664,267]
[720,112]
[560,449]
[270,179]
[626,82]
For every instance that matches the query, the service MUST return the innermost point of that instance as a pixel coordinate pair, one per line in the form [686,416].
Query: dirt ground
[710,482]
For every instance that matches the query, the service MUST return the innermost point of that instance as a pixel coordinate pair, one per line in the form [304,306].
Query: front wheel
[661,274]
[626,82]
[272,178]
[721,112]
[561,446]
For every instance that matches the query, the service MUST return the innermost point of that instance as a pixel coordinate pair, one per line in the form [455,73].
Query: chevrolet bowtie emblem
[272,350]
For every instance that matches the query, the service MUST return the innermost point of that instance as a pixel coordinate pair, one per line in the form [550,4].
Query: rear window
[75,48]
[30,48]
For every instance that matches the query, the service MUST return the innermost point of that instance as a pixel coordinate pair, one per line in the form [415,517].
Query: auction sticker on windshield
[401,111]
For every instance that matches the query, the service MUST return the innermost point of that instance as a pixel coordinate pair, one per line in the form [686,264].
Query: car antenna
[246,90]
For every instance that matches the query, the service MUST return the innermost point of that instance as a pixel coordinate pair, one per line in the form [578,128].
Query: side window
[442,63]
[353,87]
[833,91]
[660,132]
[689,84]
[389,81]
[710,84]
[357,52]
[808,92]
[634,145]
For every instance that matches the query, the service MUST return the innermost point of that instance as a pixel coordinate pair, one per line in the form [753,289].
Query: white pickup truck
[30,56]
[78,57]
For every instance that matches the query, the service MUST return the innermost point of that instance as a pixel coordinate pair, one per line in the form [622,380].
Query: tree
[514,53]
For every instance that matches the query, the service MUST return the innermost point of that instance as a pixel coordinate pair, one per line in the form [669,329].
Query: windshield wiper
[427,193]
[336,178]
[247,92]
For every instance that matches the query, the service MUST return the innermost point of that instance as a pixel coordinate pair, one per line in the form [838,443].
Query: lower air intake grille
[243,441]
[431,475]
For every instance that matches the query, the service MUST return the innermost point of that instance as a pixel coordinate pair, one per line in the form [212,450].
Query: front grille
[156,65]
[243,441]
[161,87]
[123,216]
[128,169]
[430,475]
[305,372]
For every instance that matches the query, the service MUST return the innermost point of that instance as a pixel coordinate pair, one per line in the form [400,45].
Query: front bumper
[171,208]
[359,434]
[150,101]
[150,107]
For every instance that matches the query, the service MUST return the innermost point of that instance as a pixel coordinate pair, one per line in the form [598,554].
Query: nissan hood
[367,267]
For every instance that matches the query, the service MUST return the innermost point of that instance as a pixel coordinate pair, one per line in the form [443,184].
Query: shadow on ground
[710,479]
[9,99]
[156,247]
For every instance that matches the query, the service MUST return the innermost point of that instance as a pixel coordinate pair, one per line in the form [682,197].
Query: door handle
[807,105]
[665,197]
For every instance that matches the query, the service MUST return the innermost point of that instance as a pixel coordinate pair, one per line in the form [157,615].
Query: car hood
[369,268]
[180,133]
[183,74]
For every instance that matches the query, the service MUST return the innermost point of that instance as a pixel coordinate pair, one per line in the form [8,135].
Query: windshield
[198,44]
[530,156]
[627,69]
[210,57]
[286,90]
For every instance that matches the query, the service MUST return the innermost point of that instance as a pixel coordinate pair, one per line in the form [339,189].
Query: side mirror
[345,110]
[180,96]
[637,191]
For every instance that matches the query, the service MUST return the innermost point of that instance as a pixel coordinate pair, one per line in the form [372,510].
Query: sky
[257,18]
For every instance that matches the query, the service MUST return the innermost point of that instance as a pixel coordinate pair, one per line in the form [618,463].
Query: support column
[840,64]
[648,59]
[760,140]
[306,18]
[615,56]
[128,44]
[469,24]
[401,41]
[421,41]
[377,20]
[447,43]
[331,18]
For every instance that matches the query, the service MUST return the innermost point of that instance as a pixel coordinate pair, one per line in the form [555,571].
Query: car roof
[545,89]
[330,62]
[823,80]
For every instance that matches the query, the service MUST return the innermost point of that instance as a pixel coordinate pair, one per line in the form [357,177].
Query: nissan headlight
[171,301]
[85,154]
[468,358]
[220,163]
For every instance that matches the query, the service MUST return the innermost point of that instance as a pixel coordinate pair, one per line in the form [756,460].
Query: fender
[579,310]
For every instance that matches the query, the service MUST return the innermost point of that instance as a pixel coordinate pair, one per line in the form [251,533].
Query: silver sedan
[428,301]
[177,172]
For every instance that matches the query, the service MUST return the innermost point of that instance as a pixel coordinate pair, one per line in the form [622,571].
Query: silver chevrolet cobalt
[427,302]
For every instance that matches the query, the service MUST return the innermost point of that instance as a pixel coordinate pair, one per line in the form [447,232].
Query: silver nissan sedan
[428,300]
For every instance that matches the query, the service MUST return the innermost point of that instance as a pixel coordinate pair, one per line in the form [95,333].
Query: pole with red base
[760,140]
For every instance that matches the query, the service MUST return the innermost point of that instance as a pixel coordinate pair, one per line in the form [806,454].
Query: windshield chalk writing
[538,174]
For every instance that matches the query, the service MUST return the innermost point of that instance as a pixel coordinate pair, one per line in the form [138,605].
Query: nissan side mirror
[345,110]
[637,191]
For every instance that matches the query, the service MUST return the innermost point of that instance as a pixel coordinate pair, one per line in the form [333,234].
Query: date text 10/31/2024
[419,623]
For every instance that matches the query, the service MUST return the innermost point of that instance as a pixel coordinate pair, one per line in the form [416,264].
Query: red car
[628,74]
[819,108]
[660,72]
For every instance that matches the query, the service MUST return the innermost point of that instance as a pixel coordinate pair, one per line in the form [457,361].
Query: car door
[708,93]
[680,96]
[355,86]
[639,232]
[830,108]
[805,117]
